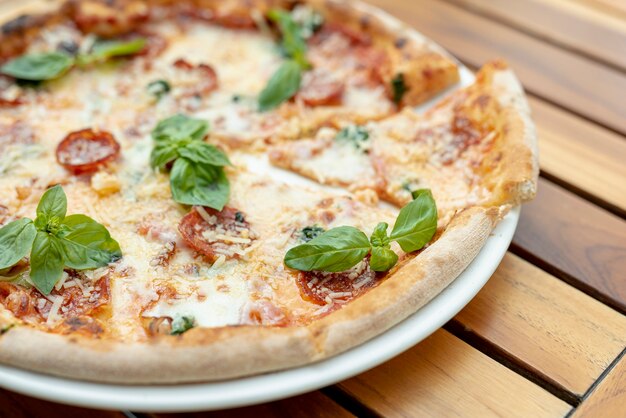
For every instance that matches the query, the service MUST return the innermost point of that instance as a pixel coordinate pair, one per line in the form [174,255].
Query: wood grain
[563,77]
[577,240]
[572,25]
[443,376]
[581,153]
[547,326]
[313,404]
[13,405]
[608,399]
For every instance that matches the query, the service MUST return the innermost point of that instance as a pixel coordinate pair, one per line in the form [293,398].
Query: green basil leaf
[182,324]
[46,262]
[180,127]
[398,87]
[335,250]
[293,43]
[39,66]
[203,153]
[103,50]
[53,204]
[198,184]
[16,239]
[163,153]
[382,259]
[88,244]
[379,236]
[417,222]
[283,84]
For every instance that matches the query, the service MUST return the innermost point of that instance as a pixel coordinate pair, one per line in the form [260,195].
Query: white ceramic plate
[282,384]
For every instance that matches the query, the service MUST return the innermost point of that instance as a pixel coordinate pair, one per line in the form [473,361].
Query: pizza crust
[206,354]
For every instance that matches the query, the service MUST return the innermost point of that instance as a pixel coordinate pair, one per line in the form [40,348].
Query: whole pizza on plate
[199,190]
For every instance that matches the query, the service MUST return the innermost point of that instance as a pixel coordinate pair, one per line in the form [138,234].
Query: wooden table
[546,336]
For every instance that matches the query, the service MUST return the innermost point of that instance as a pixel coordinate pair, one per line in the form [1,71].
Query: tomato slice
[214,234]
[86,151]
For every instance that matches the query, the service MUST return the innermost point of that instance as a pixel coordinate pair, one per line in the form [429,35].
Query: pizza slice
[470,149]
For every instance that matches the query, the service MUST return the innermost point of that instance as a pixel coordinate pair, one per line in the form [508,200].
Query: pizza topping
[197,80]
[110,18]
[326,288]
[85,151]
[44,66]
[285,82]
[282,86]
[182,324]
[55,241]
[319,88]
[356,135]
[310,232]
[341,248]
[398,88]
[158,88]
[214,234]
[331,29]
[197,174]
[263,312]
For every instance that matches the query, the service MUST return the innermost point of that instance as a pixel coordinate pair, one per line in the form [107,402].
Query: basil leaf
[379,236]
[398,87]
[39,66]
[46,262]
[293,43]
[200,152]
[180,127]
[53,204]
[197,184]
[382,259]
[417,222]
[335,250]
[103,50]
[16,239]
[182,324]
[88,244]
[163,153]
[283,84]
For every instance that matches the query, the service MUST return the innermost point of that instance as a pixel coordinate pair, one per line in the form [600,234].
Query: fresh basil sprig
[285,82]
[341,248]
[55,241]
[197,175]
[51,65]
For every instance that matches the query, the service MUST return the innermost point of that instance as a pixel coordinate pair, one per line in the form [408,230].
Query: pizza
[202,190]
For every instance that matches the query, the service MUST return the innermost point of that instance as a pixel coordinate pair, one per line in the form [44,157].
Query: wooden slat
[13,405]
[608,399]
[573,25]
[581,153]
[313,404]
[614,7]
[577,238]
[443,376]
[564,77]
[547,326]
